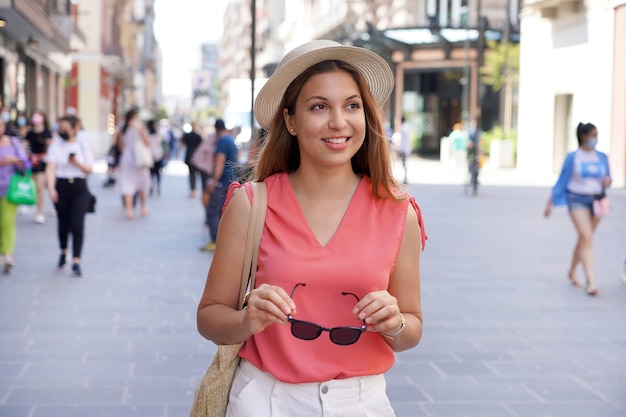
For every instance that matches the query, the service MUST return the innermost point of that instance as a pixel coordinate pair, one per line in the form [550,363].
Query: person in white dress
[131,178]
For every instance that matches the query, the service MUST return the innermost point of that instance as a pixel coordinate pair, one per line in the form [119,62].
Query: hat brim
[374,69]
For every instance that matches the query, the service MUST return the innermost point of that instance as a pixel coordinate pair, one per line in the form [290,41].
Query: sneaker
[76,270]
[209,247]
[40,219]
[62,261]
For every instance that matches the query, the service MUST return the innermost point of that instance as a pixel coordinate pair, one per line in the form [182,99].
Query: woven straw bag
[211,399]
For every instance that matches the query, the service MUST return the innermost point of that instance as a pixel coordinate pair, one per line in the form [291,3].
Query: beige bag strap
[253,238]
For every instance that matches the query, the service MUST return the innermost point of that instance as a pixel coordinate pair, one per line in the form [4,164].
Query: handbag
[211,397]
[22,189]
[601,205]
[203,157]
[143,155]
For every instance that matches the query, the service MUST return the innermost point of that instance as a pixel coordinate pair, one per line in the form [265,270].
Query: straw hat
[374,68]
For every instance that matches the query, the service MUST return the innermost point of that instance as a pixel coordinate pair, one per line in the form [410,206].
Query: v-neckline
[308,226]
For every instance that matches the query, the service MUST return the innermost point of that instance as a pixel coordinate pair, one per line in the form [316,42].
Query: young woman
[131,179]
[12,157]
[39,138]
[338,283]
[584,176]
[68,163]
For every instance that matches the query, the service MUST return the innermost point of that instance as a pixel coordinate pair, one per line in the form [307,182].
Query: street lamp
[252,64]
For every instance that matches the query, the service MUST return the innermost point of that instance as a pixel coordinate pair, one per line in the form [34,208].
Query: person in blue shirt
[584,177]
[224,172]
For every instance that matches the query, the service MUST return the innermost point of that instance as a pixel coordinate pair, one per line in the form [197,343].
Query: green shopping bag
[22,189]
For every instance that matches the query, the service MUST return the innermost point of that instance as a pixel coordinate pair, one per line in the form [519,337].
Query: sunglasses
[306,330]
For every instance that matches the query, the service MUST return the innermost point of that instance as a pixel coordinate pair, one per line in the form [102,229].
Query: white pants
[257,393]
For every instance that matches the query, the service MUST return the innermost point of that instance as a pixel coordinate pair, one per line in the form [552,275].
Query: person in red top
[338,280]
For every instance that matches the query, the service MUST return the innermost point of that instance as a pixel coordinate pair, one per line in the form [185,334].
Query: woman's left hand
[380,311]
[606,182]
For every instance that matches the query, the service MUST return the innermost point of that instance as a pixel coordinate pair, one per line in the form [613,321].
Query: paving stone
[467,409]
[103,411]
[17,410]
[471,392]
[570,408]
[68,396]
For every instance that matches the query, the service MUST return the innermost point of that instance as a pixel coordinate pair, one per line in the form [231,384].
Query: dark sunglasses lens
[345,335]
[305,330]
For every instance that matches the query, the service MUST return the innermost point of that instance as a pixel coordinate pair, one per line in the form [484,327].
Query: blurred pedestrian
[12,158]
[69,161]
[158,146]
[5,115]
[459,141]
[191,140]
[39,138]
[132,179]
[340,246]
[172,142]
[584,177]
[20,125]
[404,147]
[224,172]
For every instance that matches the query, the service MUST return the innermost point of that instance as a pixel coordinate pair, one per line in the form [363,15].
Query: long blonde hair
[281,152]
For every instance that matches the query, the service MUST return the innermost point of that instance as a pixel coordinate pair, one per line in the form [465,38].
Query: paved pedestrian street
[505,334]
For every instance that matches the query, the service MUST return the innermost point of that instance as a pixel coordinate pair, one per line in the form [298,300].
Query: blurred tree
[161,113]
[501,64]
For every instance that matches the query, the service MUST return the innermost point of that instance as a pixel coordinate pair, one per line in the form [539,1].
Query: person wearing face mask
[20,125]
[5,115]
[68,163]
[584,176]
[131,179]
[12,158]
[39,138]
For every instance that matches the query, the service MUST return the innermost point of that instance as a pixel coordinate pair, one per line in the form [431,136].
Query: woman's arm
[404,284]
[382,310]
[219,318]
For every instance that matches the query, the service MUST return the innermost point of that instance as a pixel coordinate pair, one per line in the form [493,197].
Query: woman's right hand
[267,304]
[54,196]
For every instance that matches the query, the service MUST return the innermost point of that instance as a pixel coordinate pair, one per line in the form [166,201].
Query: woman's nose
[337,119]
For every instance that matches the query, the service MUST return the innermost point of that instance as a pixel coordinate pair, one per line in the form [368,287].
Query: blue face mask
[21,121]
[6,117]
[592,142]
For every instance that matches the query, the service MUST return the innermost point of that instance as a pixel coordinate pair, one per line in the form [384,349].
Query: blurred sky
[180,27]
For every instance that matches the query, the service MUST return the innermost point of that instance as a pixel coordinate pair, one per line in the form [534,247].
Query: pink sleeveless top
[359,259]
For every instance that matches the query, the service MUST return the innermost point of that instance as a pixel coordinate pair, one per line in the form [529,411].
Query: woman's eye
[318,107]
[354,106]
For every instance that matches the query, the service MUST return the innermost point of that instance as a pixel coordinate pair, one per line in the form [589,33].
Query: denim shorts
[579,201]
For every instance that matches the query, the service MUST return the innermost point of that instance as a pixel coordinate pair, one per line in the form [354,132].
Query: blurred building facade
[96,56]
[434,48]
[573,69]
[36,37]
